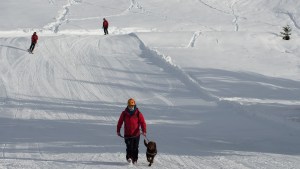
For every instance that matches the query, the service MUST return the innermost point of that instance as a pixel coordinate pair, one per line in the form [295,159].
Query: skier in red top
[132,119]
[105,26]
[34,39]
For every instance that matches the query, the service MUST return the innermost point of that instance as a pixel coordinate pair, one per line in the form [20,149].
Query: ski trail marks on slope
[193,39]
[72,73]
[141,82]
[51,1]
[214,8]
[61,18]
[11,55]
[3,92]
[67,65]
[232,11]
[241,160]
[135,4]
[249,101]
[293,19]
[3,147]
[166,63]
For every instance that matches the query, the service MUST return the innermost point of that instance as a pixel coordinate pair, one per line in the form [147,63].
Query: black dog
[151,151]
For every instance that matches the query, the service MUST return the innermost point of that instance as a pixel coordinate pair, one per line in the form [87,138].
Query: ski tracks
[51,1]
[193,39]
[62,15]
[292,18]
[233,12]
[135,4]
[231,6]
[10,62]
[214,8]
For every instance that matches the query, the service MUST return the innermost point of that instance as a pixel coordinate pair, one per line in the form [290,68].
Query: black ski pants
[132,148]
[32,46]
[105,31]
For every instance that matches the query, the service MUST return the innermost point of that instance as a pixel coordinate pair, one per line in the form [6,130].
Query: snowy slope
[215,82]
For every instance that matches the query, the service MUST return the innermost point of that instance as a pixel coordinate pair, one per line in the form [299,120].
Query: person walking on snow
[34,39]
[132,119]
[105,26]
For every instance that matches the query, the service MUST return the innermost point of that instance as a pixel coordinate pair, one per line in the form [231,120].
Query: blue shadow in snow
[13,47]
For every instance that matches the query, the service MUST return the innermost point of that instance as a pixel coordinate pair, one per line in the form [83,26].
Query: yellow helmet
[131,102]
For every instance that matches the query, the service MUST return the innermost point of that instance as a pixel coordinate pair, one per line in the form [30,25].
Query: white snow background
[218,86]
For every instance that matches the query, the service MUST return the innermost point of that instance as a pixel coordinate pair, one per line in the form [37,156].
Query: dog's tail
[145,142]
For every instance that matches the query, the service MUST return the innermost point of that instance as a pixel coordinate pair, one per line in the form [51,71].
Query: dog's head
[151,146]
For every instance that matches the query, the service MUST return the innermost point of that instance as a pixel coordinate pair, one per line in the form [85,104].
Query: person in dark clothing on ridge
[105,26]
[34,39]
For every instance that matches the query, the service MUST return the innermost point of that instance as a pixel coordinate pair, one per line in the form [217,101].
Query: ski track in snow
[250,101]
[292,17]
[135,4]
[3,92]
[51,1]
[61,18]
[193,39]
[214,8]
[231,7]
[236,17]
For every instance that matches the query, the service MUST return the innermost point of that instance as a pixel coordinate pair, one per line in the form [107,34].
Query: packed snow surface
[216,83]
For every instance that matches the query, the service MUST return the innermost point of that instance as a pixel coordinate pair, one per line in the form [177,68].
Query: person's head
[34,33]
[131,104]
[104,19]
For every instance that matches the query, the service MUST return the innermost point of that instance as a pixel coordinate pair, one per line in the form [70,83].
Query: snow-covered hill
[217,85]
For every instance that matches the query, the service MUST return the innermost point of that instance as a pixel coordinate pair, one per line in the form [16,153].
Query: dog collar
[151,153]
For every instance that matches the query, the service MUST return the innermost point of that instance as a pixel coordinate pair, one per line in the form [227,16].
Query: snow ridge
[166,63]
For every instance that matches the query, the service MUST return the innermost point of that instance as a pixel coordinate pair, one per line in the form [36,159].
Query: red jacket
[34,38]
[105,24]
[132,123]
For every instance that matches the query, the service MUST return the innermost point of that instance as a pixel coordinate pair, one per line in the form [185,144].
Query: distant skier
[132,119]
[34,39]
[105,26]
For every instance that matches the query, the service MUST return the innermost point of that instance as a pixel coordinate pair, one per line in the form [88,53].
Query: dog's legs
[150,160]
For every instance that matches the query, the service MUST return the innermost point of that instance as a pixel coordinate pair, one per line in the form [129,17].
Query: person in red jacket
[105,26]
[34,39]
[132,119]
